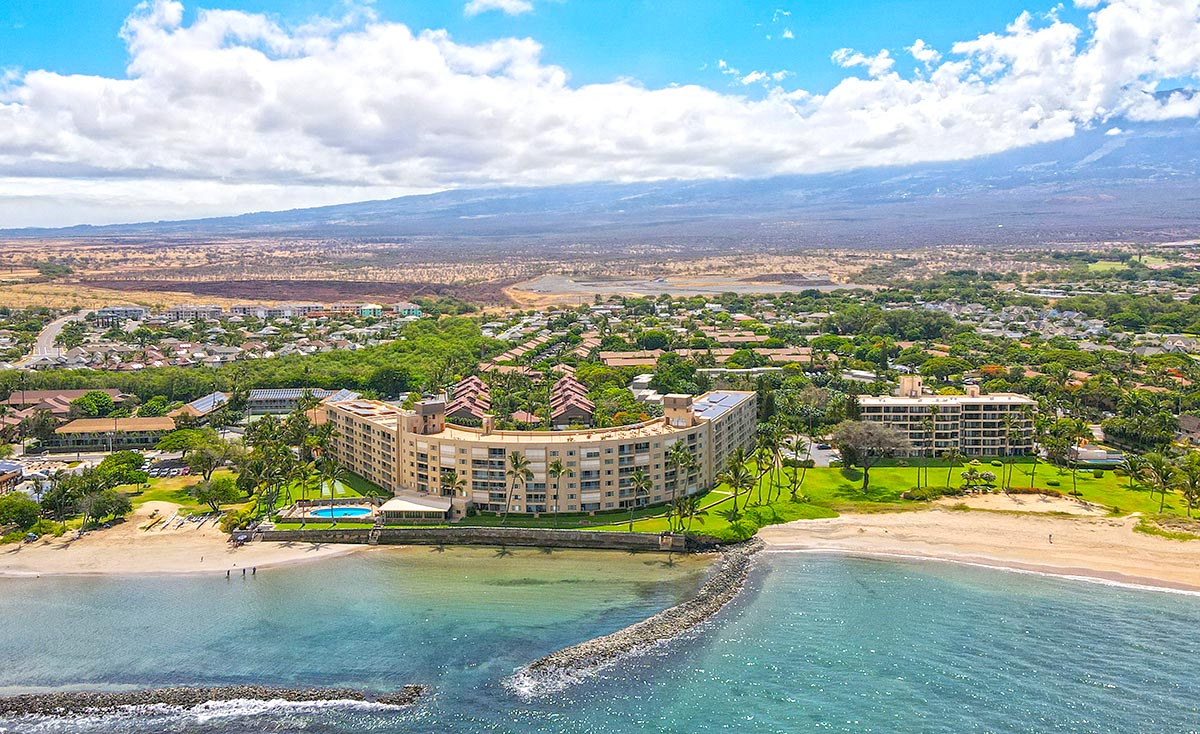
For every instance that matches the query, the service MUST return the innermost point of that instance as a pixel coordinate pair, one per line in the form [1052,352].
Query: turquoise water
[821,644]
[340,512]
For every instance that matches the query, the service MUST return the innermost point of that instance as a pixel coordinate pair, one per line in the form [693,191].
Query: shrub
[929,494]
[1052,482]
[1098,473]
[997,462]
[835,464]
[902,462]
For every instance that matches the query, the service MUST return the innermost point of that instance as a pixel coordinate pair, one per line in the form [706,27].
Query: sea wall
[573,664]
[489,536]
[82,702]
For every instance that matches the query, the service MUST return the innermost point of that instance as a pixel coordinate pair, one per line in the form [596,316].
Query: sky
[116,111]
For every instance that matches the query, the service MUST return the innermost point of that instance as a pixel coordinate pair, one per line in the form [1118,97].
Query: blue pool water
[340,512]
[821,644]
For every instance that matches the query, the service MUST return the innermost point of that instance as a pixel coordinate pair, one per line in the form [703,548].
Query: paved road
[45,340]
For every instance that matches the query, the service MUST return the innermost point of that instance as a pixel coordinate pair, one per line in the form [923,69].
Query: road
[45,340]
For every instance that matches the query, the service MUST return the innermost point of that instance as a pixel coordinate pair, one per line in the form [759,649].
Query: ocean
[816,644]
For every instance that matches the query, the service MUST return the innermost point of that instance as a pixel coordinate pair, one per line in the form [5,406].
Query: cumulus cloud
[787,33]
[236,112]
[508,7]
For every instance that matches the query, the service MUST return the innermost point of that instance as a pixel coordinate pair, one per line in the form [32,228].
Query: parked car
[174,472]
[185,471]
[824,446]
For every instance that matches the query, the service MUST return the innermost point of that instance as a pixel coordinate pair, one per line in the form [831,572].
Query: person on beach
[1051,538]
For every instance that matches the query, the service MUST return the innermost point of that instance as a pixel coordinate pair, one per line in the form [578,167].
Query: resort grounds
[1112,530]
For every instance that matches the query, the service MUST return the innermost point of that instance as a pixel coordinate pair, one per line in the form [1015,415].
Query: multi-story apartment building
[977,425]
[112,315]
[194,313]
[413,450]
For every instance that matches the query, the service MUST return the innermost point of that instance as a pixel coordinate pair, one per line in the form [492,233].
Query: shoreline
[1082,545]
[1084,575]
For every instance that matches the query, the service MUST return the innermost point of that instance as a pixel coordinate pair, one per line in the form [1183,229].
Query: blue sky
[657,42]
[226,106]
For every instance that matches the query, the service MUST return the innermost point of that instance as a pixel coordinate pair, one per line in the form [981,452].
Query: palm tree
[518,473]
[953,458]
[1039,435]
[452,484]
[735,473]
[1163,473]
[332,472]
[1189,481]
[1010,427]
[557,469]
[1133,466]
[683,461]
[793,447]
[934,412]
[641,484]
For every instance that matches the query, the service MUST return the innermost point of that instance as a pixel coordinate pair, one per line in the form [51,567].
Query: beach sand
[1018,533]
[126,548]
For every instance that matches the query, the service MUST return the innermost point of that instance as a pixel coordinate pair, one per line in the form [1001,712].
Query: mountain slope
[1142,183]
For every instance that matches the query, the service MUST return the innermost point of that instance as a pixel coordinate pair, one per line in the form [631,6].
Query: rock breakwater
[82,702]
[573,664]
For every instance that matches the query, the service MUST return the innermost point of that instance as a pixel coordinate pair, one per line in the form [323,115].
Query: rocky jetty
[573,664]
[71,703]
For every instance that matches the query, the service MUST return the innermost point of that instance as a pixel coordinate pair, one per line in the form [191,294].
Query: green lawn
[170,489]
[1102,266]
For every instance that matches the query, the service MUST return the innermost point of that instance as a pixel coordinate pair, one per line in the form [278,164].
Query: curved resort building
[410,451]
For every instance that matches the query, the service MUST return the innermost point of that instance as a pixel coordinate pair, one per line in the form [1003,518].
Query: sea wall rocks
[71,703]
[572,664]
[467,535]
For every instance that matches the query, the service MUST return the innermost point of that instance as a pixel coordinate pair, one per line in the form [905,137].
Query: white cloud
[922,52]
[508,7]
[234,112]
[752,77]
[787,33]
[877,65]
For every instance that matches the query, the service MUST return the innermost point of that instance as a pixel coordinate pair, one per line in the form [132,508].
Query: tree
[868,442]
[93,404]
[18,509]
[1189,481]
[737,475]
[452,484]
[98,504]
[943,367]
[953,458]
[331,472]
[206,456]
[1162,473]
[518,474]
[154,407]
[641,484]
[1133,465]
[39,425]
[220,491]
[557,469]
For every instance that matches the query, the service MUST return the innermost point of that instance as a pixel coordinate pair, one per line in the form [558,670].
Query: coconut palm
[1189,480]
[798,475]
[557,469]
[452,484]
[1133,466]
[1163,473]
[518,474]
[641,484]
[953,458]
[1011,425]
[331,472]
[737,475]
[684,463]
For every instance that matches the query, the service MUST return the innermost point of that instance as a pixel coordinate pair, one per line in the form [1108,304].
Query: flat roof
[716,403]
[993,399]
[105,425]
[409,503]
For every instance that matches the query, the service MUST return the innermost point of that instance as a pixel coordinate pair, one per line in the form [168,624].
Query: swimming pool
[340,512]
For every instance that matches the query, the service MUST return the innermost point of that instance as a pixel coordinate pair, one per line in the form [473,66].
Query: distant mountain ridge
[1141,184]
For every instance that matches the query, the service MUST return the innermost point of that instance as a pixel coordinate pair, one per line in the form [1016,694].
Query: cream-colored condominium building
[977,425]
[412,450]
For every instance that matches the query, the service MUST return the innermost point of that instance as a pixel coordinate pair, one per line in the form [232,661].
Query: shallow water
[820,643]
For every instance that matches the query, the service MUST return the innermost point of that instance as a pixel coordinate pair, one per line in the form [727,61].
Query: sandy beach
[1018,533]
[127,548]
